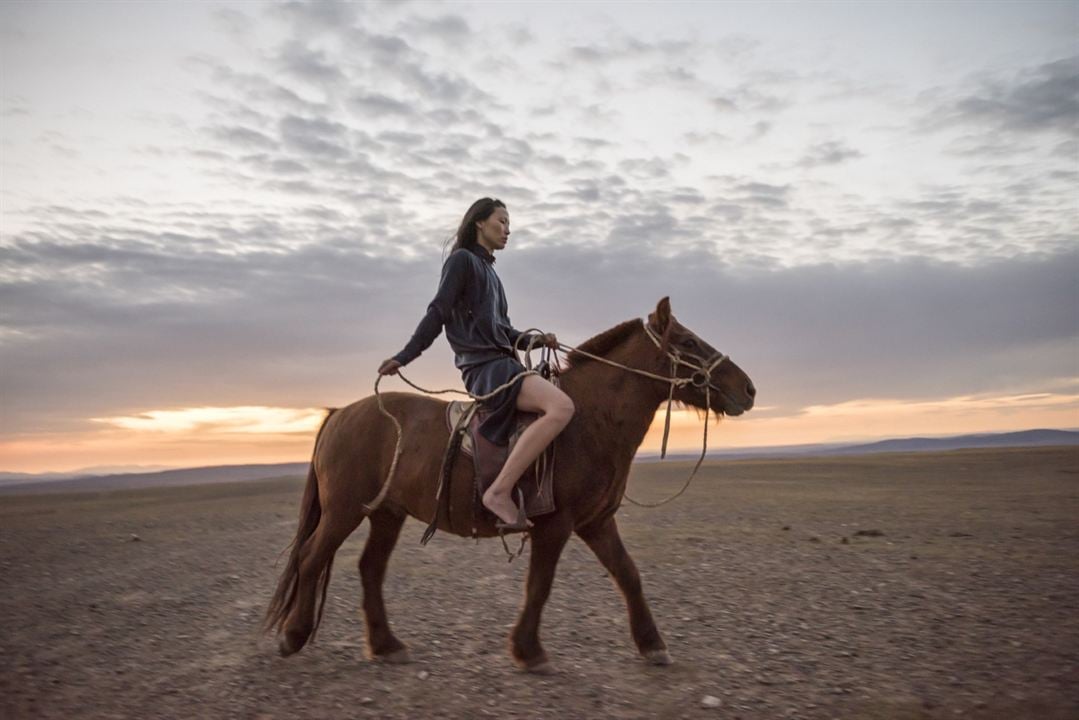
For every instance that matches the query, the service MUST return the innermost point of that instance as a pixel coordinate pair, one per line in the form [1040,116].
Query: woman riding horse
[471,305]
[616,379]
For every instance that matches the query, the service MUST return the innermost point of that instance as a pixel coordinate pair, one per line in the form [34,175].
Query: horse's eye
[689,343]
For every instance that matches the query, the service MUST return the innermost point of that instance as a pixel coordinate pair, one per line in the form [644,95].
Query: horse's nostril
[750,390]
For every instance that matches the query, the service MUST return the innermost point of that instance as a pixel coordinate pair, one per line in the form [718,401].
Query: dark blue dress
[471,305]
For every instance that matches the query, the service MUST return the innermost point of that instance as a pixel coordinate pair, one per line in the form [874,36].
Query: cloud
[310,65]
[242,137]
[379,105]
[1046,98]
[447,28]
[250,93]
[414,133]
[256,420]
[234,22]
[440,87]
[314,137]
[748,99]
[759,193]
[627,48]
[832,152]
[324,16]
[905,329]
[1039,99]
[105,316]
[13,106]
[961,404]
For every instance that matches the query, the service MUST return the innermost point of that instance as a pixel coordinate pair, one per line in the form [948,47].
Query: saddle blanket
[488,458]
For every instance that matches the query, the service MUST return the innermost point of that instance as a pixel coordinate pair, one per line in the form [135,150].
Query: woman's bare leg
[556,409]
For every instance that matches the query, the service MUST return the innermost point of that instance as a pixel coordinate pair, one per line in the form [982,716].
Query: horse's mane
[604,342]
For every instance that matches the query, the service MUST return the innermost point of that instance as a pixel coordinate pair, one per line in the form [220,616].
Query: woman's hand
[389,367]
[549,340]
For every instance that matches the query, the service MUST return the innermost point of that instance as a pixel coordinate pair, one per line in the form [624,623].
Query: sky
[216,219]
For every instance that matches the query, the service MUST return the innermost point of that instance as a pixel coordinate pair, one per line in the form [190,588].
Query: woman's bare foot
[502,505]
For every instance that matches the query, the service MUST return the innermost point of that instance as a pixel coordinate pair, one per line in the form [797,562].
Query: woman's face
[493,232]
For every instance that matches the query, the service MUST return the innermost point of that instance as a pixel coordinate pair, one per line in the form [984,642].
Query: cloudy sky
[219,217]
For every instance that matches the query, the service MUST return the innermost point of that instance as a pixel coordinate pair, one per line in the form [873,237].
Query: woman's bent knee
[540,396]
[563,409]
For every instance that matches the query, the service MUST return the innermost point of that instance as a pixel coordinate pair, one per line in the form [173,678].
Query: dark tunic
[471,305]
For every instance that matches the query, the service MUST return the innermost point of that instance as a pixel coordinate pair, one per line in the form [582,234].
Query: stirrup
[521,523]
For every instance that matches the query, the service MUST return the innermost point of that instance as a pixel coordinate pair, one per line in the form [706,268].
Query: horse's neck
[615,406]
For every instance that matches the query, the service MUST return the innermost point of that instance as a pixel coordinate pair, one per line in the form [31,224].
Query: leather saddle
[463,420]
[488,458]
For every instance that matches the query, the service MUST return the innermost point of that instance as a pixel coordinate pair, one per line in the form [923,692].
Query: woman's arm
[455,274]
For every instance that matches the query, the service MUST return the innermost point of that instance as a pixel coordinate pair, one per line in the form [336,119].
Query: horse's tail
[284,598]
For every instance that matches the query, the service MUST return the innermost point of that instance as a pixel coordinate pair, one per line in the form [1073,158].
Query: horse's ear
[660,321]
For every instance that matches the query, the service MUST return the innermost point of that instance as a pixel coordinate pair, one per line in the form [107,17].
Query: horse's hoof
[543,668]
[397,657]
[658,657]
[286,648]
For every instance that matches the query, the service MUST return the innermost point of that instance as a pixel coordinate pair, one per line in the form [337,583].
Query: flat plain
[906,586]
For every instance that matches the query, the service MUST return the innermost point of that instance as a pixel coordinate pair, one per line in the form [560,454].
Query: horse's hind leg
[381,643]
[606,543]
[316,561]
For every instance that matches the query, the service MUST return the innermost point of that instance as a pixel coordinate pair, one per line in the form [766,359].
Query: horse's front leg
[549,537]
[606,543]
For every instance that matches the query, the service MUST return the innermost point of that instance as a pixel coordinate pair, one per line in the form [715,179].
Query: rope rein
[702,370]
[700,378]
[373,505]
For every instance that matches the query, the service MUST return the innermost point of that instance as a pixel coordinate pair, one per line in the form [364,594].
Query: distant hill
[12,483]
[1025,438]
[164,478]
[97,471]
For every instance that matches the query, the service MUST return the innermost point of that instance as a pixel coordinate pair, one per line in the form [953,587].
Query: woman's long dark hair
[465,237]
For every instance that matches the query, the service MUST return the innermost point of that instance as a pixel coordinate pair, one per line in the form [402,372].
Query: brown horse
[355,446]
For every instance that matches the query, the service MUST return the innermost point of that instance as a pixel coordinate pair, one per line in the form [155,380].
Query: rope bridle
[701,378]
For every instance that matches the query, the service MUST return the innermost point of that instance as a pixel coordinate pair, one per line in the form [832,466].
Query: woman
[471,304]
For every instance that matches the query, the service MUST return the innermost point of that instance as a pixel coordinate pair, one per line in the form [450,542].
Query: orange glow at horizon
[254,419]
[191,437]
[872,419]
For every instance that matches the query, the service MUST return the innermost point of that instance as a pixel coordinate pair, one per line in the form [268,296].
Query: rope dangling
[373,505]
[667,419]
[707,412]
[704,450]
[509,553]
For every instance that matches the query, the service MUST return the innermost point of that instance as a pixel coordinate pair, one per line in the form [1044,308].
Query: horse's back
[357,444]
[402,405]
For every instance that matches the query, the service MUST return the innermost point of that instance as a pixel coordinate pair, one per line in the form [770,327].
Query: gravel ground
[889,586]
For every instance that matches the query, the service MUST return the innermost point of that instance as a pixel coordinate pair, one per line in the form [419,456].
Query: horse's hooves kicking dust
[543,668]
[286,648]
[397,657]
[658,657]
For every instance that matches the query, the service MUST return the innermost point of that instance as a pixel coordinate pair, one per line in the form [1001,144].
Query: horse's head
[707,370]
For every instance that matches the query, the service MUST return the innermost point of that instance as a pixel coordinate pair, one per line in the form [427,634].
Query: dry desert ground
[889,586]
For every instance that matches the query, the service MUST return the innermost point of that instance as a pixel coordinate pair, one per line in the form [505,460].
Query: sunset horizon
[241,436]
[218,218]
